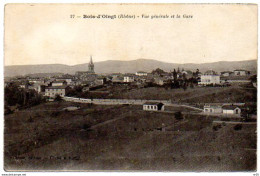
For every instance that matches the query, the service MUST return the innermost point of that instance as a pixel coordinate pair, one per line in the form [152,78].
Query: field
[97,137]
[235,93]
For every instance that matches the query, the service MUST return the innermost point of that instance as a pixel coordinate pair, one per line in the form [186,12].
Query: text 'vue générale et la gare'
[128,16]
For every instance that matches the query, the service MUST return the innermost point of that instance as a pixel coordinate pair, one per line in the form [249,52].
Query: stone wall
[114,101]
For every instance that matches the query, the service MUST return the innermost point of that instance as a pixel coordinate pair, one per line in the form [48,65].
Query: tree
[178,115]
[238,127]
[184,86]
[191,85]
[174,75]
[57,98]
[158,71]
[253,78]
[21,97]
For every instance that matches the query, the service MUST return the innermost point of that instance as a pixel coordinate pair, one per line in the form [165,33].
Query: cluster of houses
[153,106]
[227,109]
[212,78]
[58,85]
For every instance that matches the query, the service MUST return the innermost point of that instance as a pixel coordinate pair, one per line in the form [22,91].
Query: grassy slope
[125,144]
[196,95]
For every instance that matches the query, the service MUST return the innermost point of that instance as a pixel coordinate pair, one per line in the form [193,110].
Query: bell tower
[91,66]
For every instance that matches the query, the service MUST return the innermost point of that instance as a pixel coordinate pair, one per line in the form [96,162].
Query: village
[130,87]
[131,121]
[89,87]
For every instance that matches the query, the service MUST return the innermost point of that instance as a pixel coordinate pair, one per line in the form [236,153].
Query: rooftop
[60,81]
[210,72]
[212,106]
[141,72]
[56,87]
[240,70]
[229,107]
[152,103]
[235,78]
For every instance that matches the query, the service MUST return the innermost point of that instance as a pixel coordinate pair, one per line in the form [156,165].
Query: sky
[46,33]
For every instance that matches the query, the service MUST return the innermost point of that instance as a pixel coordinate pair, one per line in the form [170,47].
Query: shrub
[86,126]
[55,113]
[30,120]
[216,127]
[238,127]
[57,98]
[7,110]
[178,115]
[219,158]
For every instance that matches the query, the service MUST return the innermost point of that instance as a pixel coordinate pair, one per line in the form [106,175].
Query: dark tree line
[15,96]
[77,91]
[182,81]
[158,71]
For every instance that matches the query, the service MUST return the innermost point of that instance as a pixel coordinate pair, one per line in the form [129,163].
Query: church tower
[91,66]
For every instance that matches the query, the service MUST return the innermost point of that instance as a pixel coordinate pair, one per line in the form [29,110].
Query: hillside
[112,66]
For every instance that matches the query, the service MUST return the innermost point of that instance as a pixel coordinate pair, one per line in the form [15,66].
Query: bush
[7,110]
[30,120]
[55,113]
[216,127]
[86,126]
[238,127]
[57,98]
[178,115]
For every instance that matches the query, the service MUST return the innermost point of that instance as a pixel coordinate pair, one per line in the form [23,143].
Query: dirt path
[105,123]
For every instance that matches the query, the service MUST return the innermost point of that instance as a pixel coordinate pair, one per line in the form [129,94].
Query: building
[141,73]
[59,83]
[231,109]
[91,66]
[52,91]
[117,79]
[153,106]
[68,78]
[209,78]
[235,79]
[129,79]
[241,72]
[87,75]
[160,80]
[85,89]
[226,73]
[100,81]
[41,88]
[212,109]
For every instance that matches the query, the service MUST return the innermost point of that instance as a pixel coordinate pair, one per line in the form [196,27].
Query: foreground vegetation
[234,93]
[120,137]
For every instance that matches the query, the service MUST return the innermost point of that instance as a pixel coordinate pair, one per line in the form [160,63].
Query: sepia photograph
[130,87]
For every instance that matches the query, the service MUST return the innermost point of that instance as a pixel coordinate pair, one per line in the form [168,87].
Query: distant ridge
[115,66]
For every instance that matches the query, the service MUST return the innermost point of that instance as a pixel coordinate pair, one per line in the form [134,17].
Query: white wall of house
[209,79]
[54,92]
[68,80]
[230,111]
[57,84]
[212,110]
[141,73]
[150,107]
[159,81]
[128,79]
[225,74]
[240,73]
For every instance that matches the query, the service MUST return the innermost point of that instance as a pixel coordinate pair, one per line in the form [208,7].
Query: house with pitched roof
[52,91]
[231,109]
[153,106]
[212,109]
[210,77]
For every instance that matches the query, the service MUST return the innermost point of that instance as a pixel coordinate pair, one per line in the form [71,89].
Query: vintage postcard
[130,87]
